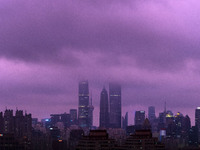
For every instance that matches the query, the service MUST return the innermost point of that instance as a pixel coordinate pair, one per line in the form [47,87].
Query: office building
[151,114]
[83,104]
[104,115]
[125,121]
[139,117]
[90,113]
[115,105]
[73,116]
[65,119]
[161,121]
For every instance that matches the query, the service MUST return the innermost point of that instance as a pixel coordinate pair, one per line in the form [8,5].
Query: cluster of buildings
[75,130]
[12,127]
[110,113]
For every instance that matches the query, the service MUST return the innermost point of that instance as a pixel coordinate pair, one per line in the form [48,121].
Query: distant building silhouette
[161,121]
[115,105]
[139,117]
[146,125]
[125,121]
[151,114]
[65,119]
[90,113]
[73,116]
[83,105]
[104,115]
[54,119]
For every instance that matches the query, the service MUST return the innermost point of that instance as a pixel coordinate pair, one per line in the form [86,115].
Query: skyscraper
[125,121]
[104,115]
[139,117]
[197,121]
[90,113]
[115,105]
[83,105]
[151,114]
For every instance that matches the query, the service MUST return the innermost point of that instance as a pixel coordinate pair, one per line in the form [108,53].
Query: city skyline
[151,48]
[83,91]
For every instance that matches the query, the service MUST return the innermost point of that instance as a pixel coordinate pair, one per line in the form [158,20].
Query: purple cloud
[150,47]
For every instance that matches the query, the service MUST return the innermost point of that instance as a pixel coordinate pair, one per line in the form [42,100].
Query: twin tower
[110,106]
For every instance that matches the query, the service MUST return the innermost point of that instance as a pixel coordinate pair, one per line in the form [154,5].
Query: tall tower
[90,115]
[83,105]
[151,114]
[115,105]
[104,115]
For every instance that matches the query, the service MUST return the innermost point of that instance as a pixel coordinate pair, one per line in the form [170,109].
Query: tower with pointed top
[104,115]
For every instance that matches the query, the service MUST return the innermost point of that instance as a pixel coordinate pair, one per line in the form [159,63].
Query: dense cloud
[150,47]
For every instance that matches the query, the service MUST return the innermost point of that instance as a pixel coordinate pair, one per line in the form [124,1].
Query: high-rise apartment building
[8,121]
[20,125]
[83,104]
[115,105]
[104,115]
[139,117]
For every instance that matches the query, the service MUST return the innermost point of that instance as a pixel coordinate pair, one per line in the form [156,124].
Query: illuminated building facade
[83,105]
[104,115]
[115,105]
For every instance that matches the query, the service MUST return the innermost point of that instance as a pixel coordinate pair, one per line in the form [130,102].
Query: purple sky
[151,47]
